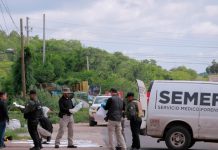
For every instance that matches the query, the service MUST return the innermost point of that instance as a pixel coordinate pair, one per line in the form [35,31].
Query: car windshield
[100,100]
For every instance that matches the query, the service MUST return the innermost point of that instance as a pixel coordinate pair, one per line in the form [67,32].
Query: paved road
[149,143]
[95,138]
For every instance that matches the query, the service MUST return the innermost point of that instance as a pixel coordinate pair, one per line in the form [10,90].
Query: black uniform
[65,104]
[135,123]
[33,113]
[3,111]
[3,119]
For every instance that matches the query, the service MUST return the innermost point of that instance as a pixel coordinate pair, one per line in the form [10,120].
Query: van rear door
[208,122]
[143,99]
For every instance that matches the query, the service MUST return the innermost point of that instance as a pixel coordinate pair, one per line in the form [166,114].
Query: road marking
[64,143]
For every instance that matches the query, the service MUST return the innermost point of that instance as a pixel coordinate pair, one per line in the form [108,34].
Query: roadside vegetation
[66,65]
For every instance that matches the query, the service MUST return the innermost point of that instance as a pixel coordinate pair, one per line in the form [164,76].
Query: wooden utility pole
[87,61]
[43,57]
[22,60]
[27,31]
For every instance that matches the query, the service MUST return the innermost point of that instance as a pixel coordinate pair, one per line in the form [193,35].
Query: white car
[96,104]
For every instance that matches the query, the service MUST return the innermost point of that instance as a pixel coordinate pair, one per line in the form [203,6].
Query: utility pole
[22,61]
[87,60]
[27,31]
[43,57]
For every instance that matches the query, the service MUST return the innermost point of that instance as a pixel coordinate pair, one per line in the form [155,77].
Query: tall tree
[213,69]
[17,75]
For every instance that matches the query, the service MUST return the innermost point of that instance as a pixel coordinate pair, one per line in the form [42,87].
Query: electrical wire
[177,57]
[110,27]
[9,13]
[160,42]
[148,44]
[1,28]
[132,37]
[190,63]
[3,18]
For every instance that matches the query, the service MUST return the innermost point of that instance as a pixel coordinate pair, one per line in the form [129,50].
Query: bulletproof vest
[37,112]
[136,109]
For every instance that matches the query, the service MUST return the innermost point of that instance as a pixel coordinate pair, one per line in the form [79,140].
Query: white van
[181,112]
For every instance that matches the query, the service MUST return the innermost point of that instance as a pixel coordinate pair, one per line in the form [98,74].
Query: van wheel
[192,143]
[178,138]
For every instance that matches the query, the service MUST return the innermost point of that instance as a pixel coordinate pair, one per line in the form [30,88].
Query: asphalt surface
[96,137]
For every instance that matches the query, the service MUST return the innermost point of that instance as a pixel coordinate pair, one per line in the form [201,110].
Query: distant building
[10,50]
[213,78]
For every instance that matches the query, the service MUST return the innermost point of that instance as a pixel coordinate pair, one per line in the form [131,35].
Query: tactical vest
[36,114]
[138,111]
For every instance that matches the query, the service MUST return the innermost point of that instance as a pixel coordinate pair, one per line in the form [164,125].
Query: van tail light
[148,97]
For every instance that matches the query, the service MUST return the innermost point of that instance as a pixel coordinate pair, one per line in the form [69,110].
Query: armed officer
[134,114]
[33,113]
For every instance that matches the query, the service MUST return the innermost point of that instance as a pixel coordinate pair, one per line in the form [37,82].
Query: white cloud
[177,9]
[148,22]
[68,34]
[212,10]
[205,28]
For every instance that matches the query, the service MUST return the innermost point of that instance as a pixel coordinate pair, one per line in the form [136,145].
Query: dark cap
[113,90]
[130,94]
[32,92]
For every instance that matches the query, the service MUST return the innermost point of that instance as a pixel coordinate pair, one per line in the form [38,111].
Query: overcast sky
[173,32]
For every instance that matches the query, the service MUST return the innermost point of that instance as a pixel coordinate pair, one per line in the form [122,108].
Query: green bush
[82,116]
[47,100]
[15,134]
[53,117]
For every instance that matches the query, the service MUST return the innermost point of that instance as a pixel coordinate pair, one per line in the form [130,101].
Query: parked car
[96,104]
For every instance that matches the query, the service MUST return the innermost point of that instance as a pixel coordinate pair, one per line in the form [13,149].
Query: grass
[19,134]
[16,134]
[21,130]
[82,116]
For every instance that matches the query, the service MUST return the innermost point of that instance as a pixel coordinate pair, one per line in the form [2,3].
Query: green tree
[17,74]
[213,69]
[44,73]
[183,73]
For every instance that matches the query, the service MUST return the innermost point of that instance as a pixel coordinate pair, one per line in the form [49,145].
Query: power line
[145,37]
[159,41]
[142,42]
[171,56]
[110,27]
[1,27]
[9,13]
[190,63]
[3,18]
[158,45]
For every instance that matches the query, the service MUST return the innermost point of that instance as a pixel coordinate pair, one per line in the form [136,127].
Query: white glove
[18,106]
[76,108]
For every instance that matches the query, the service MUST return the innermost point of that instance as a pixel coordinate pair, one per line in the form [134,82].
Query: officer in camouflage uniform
[33,113]
[133,114]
